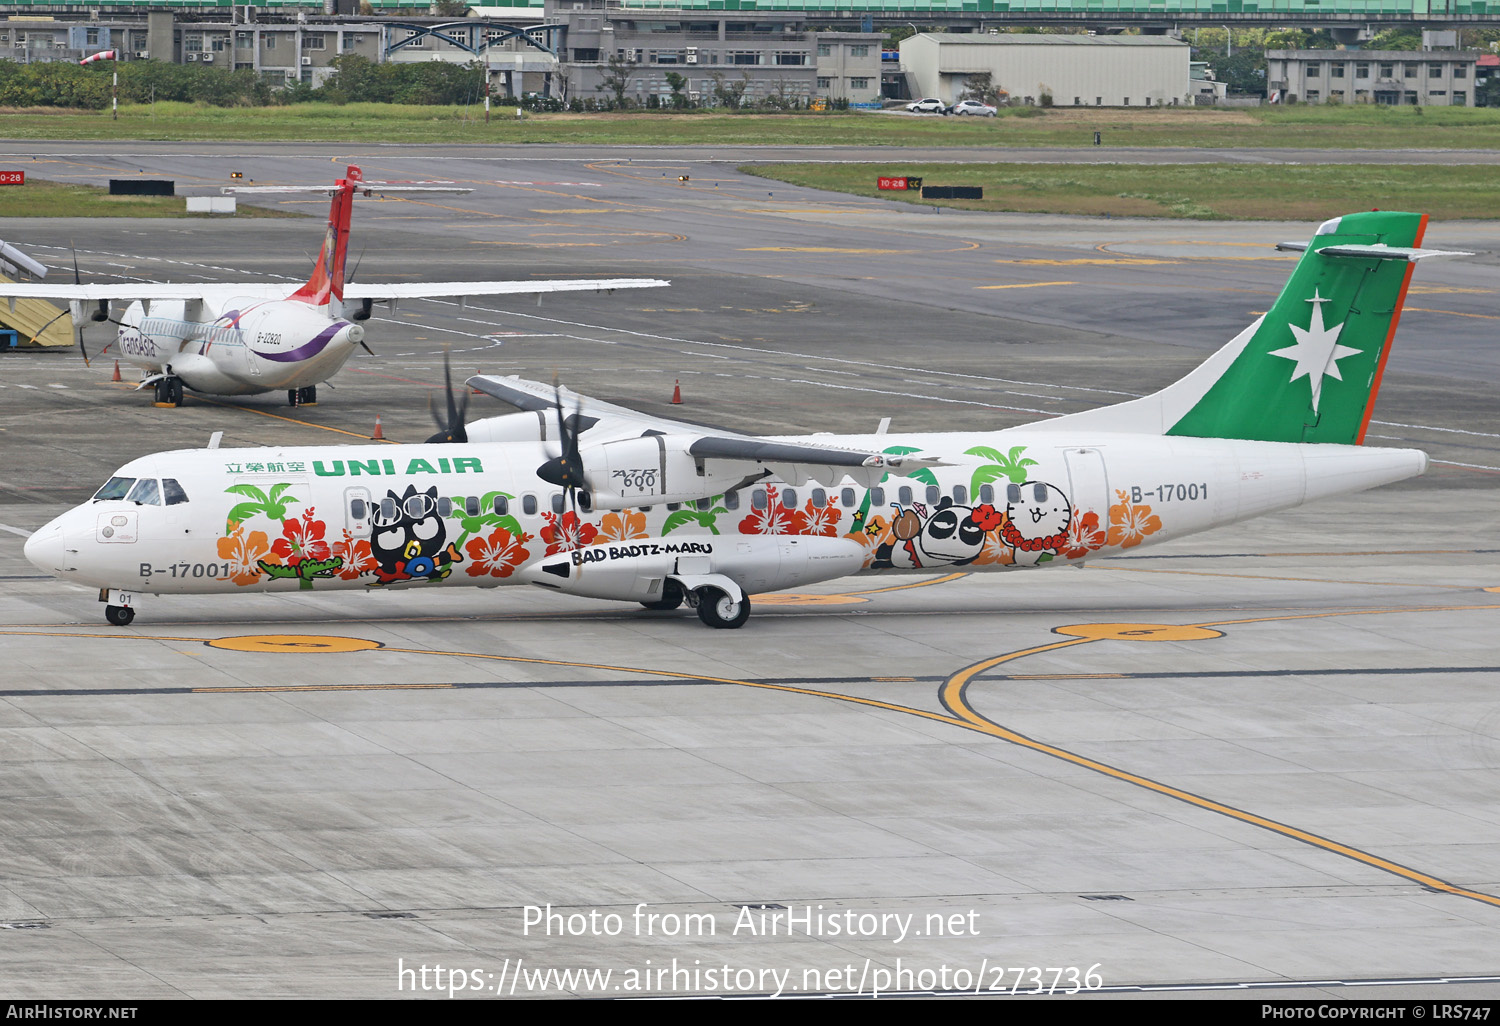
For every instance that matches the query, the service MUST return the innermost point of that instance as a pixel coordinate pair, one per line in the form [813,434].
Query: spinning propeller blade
[451,430]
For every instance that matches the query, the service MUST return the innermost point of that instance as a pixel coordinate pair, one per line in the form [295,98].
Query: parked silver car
[972,107]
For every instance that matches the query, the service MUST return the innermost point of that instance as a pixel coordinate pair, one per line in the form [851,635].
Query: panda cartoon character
[1037,517]
[951,536]
[409,540]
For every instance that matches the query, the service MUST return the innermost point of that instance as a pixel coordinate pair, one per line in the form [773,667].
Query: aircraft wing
[150,291]
[438,289]
[792,460]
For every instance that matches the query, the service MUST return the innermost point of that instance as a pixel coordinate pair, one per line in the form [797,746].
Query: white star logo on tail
[1316,352]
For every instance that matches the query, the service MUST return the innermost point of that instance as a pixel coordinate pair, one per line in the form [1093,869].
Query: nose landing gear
[120,616]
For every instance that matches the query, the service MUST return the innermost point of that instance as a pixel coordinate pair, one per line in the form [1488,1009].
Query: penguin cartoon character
[1037,519]
[952,535]
[410,541]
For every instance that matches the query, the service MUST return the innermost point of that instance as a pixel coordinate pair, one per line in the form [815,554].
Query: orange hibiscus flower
[1130,524]
[243,553]
[1084,535]
[621,526]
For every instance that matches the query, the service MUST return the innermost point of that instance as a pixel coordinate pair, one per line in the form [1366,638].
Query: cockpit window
[146,492]
[172,491]
[114,488]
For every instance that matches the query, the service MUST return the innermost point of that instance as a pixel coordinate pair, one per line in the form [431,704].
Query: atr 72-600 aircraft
[592,499]
[247,338]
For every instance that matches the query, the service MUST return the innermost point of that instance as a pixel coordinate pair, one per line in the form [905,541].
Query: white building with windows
[1060,70]
[1429,78]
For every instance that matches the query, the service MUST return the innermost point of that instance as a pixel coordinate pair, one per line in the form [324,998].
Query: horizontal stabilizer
[1378,252]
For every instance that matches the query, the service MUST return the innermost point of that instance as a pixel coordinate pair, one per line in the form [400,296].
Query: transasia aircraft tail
[1309,369]
[327,282]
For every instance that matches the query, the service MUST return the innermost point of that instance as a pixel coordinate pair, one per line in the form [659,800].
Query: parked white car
[972,107]
[927,106]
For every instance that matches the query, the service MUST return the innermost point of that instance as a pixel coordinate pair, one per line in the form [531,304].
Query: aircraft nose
[45,549]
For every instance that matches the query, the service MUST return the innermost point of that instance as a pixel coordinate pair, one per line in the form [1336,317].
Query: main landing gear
[717,609]
[715,606]
[671,596]
[168,391]
[302,396]
[120,616]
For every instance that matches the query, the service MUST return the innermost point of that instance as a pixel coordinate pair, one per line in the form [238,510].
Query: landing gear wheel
[717,609]
[120,616]
[168,391]
[671,596]
[304,396]
[292,396]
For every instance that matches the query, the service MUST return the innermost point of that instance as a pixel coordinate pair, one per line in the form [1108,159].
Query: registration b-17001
[591,499]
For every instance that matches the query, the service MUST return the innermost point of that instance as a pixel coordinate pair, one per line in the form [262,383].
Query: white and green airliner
[591,499]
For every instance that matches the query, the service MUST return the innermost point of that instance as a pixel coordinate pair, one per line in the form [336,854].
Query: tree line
[355,79]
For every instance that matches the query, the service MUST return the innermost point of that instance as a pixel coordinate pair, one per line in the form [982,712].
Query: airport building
[1429,78]
[1054,70]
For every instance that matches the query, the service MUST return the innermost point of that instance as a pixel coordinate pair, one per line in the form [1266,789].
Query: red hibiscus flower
[567,532]
[496,554]
[357,557]
[301,538]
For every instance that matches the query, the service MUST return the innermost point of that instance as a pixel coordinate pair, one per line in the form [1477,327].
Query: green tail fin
[1309,370]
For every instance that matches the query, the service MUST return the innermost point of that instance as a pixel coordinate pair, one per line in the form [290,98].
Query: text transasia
[377,468]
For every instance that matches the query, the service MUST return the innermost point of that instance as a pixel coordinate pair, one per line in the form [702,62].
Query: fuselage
[239,345]
[353,517]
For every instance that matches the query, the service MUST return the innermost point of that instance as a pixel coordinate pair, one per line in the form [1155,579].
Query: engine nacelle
[634,571]
[652,469]
[510,427]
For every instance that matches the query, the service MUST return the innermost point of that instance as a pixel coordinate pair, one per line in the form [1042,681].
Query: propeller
[366,306]
[451,430]
[566,469]
[78,328]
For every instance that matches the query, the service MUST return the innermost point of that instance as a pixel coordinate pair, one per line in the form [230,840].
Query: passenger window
[960,495]
[819,498]
[445,507]
[387,512]
[933,495]
[877,496]
[471,506]
[172,491]
[987,493]
[903,495]
[419,507]
[557,503]
[847,498]
[115,488]
[789,498]
[731,500]
[357,509]
[758,499]
[673,507]
[502,505]
[704,503]
[528,504]
[146,492]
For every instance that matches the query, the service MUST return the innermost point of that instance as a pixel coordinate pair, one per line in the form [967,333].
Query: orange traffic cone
[379,435]
[117,371]
[677,392]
